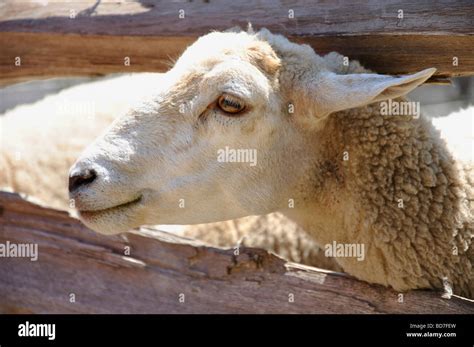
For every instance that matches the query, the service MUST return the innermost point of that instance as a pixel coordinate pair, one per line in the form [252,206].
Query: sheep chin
[113,220]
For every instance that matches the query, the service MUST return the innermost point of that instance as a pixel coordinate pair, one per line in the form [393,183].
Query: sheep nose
[81,178]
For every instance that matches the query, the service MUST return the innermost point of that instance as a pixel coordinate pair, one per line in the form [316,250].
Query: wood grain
[311,18]
[161,267]
[101,34]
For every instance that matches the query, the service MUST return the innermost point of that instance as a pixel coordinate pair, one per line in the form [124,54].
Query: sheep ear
[339,92]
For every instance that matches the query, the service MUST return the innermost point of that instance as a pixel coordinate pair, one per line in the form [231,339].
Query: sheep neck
[388,183]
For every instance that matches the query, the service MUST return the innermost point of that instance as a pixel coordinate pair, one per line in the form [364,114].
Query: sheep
[274,232]
[66,122]
[327,158]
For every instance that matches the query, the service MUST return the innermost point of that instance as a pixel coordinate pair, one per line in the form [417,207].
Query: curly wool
[416,196]
[404,193]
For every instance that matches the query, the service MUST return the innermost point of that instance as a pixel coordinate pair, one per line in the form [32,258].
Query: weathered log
[164,273]
[94,37]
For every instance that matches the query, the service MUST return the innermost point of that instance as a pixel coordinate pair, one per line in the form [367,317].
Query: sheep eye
[230,104]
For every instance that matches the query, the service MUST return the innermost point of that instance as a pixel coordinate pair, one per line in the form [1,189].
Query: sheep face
[206,145]
[214,138]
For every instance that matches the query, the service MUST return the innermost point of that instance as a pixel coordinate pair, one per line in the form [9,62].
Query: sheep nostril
[81,178]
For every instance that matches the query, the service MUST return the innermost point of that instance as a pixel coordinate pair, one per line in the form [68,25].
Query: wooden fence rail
[94,37]
[79,271]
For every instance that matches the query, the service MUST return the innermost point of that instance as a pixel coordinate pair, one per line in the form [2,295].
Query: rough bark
[94,37]
[161,267]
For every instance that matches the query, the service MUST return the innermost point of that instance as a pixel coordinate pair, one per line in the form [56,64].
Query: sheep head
[225,133]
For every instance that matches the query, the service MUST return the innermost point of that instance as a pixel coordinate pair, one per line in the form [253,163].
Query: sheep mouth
[115,208]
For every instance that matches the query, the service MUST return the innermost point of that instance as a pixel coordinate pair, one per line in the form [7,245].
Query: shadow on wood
[93,37]
[150,271]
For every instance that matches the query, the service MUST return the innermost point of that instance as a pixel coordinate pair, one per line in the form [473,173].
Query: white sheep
[327,157]
[40,142]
